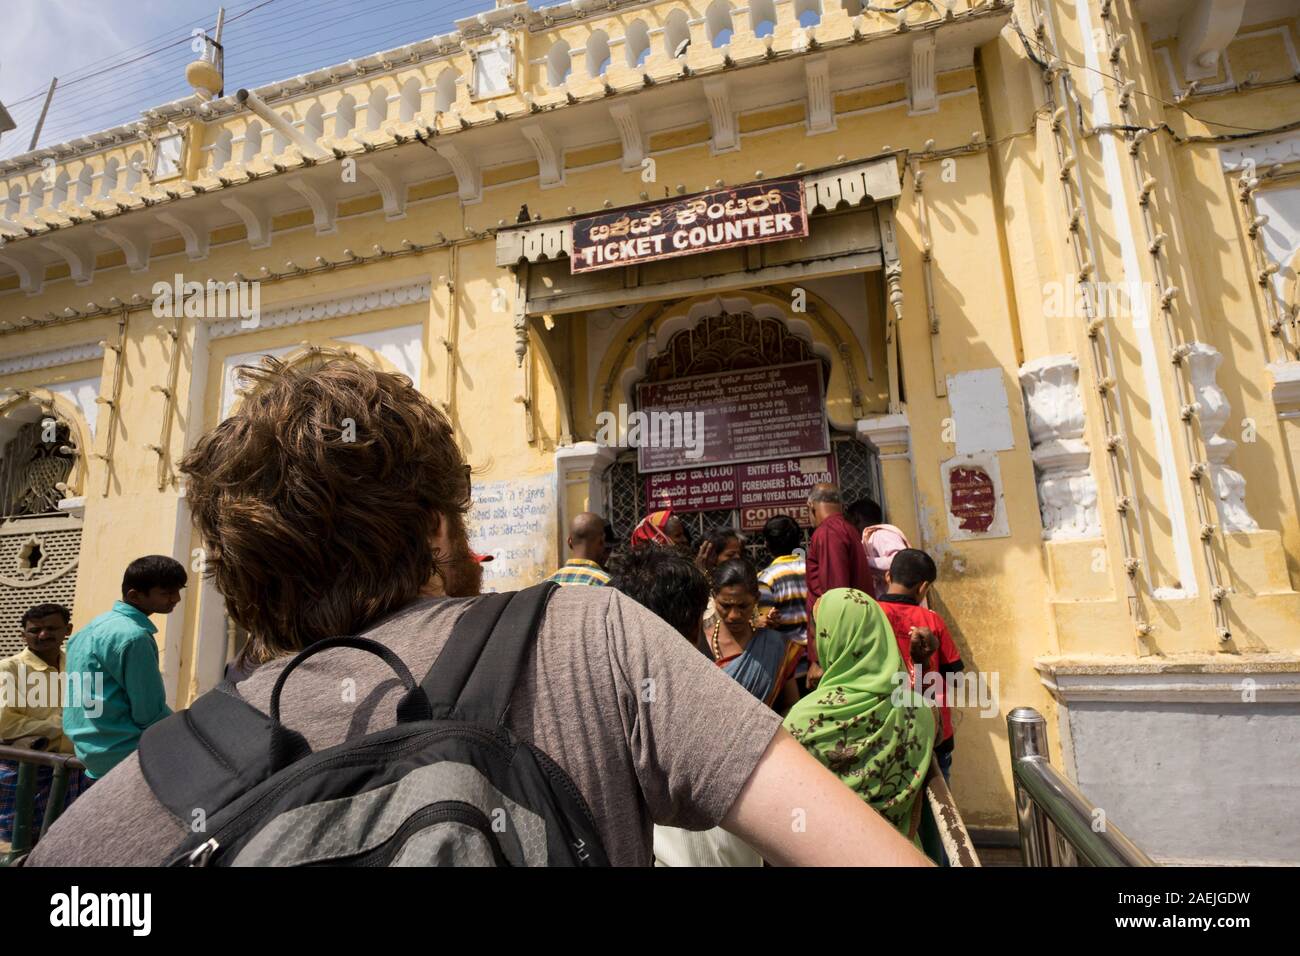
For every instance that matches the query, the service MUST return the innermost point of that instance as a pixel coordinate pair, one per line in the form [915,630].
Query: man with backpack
[552,727]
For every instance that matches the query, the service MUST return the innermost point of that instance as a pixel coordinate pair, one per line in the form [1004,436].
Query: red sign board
[742,216]
[761,490]
[732,417]
[972,499]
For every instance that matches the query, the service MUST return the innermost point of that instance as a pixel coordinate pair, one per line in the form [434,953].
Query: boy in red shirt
[922,636]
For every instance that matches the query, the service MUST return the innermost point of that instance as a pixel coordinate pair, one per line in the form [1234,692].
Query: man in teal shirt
[120,645]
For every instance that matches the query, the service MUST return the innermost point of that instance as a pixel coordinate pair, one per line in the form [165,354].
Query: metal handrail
[1057,823]
[28,761]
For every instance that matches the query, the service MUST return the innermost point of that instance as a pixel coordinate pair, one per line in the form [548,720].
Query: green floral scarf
[863,721]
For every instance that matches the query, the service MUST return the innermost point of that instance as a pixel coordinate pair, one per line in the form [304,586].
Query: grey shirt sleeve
[695,735]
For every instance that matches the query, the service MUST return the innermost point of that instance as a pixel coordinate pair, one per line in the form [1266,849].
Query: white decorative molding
[76,507]
[193,230]
[547,150]
[534,243]
[354,304]
[1206,29]
[78,256]
[1286,384]
[722,117]
[31,274]
[923,94]
[821,104]
[1248,684]
[51,358]
[581,464]
[134,245]
[469,176]
[876,181]
[629,134]
[1262,153]
[84,395]
[256,219]
[1229,486]
[323,203]
[1067,490]
[392,188]
[885,430]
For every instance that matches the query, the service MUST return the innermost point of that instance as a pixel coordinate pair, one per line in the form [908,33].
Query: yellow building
[1040,260]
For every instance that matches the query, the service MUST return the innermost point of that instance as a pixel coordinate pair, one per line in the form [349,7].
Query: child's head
[912,572]
[153,583]
[864,513]
[781,534]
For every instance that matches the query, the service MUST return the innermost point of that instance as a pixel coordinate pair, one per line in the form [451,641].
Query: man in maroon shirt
[835,559]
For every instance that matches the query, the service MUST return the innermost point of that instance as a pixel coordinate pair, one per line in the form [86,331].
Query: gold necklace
[717,650]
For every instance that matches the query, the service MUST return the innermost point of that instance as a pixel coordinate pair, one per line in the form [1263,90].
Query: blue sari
[764,666]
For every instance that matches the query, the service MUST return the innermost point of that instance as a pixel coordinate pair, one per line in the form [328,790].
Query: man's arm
[14,725]
[795,812]
[143,682]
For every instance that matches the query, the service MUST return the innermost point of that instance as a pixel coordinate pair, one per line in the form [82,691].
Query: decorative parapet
[352,304]
[1213,410]
[52,358]
[1067,490]
[1286,387]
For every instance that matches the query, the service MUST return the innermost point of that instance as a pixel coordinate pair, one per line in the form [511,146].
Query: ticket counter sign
[777,411]
[745,215]
[759,489]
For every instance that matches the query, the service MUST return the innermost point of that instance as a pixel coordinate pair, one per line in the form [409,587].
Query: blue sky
[115,58]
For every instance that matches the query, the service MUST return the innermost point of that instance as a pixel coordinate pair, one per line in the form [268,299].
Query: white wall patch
[981,418]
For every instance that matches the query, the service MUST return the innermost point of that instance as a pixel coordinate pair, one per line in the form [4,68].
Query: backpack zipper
[445,811]
[195,858]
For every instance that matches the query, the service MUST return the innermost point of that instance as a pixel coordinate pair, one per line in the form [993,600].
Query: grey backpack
[449,785]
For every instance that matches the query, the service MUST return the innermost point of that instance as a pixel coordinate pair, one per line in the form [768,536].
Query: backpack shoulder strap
[207,755]
[474,676]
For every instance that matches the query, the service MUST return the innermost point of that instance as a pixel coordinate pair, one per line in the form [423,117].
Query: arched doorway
[733,340]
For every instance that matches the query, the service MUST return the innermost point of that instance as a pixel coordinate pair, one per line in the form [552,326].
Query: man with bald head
[836,559]
[589,541]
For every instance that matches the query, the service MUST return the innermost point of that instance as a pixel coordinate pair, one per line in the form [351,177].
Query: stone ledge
[1086,664]
[1265,679]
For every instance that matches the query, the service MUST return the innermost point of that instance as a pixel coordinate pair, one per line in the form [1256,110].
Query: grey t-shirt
[648,729]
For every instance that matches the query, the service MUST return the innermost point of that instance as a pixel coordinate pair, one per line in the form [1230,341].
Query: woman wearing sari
[661,528]
[762,661]
[759,658]
[862,721]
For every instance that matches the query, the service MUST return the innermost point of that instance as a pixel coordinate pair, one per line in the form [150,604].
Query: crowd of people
[780,694]
[846,689]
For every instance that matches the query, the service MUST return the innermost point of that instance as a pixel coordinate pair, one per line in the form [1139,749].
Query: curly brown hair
[320,498]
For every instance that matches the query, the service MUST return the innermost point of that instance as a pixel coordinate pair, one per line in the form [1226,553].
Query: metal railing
[29,763]
[1058,825]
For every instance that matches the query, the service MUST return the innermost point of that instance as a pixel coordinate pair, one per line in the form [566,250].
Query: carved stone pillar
[890,436]
[581,469]
[1229,487]
[1067,491]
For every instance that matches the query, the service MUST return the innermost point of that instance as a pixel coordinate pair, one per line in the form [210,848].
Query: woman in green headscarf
[863,721]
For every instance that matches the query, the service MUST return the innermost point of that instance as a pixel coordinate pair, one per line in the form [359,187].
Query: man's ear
[889,579]
[921,590]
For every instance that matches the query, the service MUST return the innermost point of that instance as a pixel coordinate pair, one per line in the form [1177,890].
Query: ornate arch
[32,468]
[819,333]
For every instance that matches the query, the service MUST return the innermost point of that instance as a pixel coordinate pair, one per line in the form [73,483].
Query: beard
[457,572]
